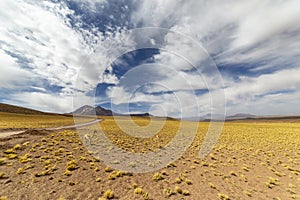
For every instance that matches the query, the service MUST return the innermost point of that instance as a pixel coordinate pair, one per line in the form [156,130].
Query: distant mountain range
[99,111]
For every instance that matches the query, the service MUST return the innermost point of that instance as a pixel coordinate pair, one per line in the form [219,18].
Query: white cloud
[11,75]
[230,27]
[175,104]
[39,43]
[273,104]
[47,102]
[258,34]
[268,19]
[249,88]
[52,47]
[39,36]
[91,5]
[109,78]
[156,13]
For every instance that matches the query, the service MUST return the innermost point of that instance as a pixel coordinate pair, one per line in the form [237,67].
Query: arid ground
[252,160]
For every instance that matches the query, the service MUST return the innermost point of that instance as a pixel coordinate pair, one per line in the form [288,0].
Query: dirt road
[10,133]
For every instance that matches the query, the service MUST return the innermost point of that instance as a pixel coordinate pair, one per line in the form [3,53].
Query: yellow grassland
[249,161]
[24,121]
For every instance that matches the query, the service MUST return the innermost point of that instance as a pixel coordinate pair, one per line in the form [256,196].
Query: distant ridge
[241,116]
[140,115]
[20,110]
[100,111]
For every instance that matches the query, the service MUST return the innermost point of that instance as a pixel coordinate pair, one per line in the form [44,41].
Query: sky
[166,57]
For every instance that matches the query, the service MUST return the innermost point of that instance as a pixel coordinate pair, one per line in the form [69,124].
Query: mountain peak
[90,110]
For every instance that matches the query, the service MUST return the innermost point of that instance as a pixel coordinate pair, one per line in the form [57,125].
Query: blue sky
[58,55]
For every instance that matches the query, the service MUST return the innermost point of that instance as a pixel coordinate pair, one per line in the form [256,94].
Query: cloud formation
[61,49]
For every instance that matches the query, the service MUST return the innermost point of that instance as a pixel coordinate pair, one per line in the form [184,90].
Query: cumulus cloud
[254,44]
[38,40]
[42,39]
[11,75]
[259,36]
[91,5]
[267,20]
[47,102]
[250,88]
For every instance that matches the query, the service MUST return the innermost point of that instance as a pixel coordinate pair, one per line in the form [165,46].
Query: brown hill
[20,110]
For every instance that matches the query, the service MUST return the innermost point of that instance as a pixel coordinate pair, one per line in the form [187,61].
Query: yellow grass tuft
[3,161]
[157,176]
[223,196]
[109,194]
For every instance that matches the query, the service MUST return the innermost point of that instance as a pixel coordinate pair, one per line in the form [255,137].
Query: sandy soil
[247,163]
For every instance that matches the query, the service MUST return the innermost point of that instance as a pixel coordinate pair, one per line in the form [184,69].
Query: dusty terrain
[250,161]
[15,121]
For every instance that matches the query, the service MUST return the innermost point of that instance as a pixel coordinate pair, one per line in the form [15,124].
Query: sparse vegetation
[185,192]
[157,176]
[109,194]
[247,162]
[3,161]
[2,174]
[72,165]
[178,190]
[223,196]
[138,190]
